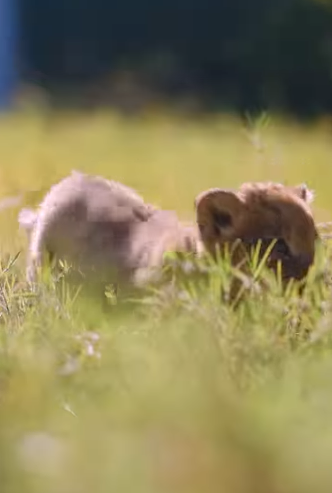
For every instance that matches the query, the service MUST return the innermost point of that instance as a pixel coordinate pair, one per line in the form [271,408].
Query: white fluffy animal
[103,228]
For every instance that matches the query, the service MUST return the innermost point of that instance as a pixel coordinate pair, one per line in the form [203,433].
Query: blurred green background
[209,54]
[174,394]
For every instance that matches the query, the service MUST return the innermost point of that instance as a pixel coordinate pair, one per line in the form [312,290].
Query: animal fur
[106,228]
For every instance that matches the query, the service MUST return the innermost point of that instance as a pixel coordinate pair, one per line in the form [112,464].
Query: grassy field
[173,395]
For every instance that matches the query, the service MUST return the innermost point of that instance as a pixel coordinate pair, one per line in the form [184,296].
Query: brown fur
[263,211]
[104,227]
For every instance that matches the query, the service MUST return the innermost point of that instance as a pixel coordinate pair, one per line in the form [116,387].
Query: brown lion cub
[266,212]
[107,230]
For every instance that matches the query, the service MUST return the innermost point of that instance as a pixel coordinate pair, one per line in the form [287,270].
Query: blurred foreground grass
[175,396]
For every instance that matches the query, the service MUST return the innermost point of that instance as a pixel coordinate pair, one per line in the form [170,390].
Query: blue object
[8,52]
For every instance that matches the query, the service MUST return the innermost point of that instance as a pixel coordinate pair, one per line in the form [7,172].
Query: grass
[177,394]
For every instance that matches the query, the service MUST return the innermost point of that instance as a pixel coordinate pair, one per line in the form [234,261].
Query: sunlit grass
[180,393]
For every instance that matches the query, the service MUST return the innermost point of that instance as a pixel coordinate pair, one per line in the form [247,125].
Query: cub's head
[261,211]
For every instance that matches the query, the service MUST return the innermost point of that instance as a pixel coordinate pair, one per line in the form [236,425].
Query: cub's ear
[304,193]
[218,213]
